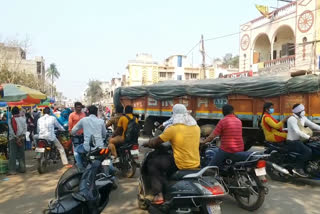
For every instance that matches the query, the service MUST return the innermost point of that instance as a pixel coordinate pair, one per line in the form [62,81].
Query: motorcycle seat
[278,146]
[178,175]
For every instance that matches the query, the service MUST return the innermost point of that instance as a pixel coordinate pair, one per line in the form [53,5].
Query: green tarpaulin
[262,86]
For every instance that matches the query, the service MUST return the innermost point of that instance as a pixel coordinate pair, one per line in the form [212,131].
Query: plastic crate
[3,166]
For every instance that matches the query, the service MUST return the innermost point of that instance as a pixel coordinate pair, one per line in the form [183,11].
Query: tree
[229,60]
[20,77]
[94,93]
[52,73]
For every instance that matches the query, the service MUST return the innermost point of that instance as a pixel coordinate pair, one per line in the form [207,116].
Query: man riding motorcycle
[230,131]
[297,134]
[184,135]
[91,125]
[119,136]
[46,125]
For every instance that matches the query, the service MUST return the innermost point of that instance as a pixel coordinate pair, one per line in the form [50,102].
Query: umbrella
[16,93]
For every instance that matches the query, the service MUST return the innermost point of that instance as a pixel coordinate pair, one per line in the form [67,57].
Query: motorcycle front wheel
[253,197]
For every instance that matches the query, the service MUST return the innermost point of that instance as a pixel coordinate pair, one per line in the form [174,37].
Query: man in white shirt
[91,125]
[46,125]
[296,136]
[17,131]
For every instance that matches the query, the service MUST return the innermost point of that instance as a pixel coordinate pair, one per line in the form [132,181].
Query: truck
[204,99]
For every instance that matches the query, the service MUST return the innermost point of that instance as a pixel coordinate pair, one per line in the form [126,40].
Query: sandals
[158,201]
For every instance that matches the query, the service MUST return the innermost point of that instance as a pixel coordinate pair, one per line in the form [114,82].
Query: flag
[264,10]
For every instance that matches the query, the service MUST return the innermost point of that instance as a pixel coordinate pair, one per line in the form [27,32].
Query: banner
[264,10]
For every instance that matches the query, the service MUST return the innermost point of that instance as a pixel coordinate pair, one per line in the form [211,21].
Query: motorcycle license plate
[106,162]
[39,150]
[214,208]
[260,171]
[134,152]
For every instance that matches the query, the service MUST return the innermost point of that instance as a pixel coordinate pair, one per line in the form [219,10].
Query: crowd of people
[181,130]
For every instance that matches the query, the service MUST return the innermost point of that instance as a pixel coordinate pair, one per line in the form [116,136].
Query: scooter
[187,191]
[85,192]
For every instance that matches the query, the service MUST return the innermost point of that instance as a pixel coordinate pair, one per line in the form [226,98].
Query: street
[30,193]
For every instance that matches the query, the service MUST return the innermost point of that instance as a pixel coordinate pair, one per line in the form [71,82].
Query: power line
[224,36]
[193,48]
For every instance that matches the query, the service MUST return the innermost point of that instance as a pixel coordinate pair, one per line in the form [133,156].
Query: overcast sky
[94,39]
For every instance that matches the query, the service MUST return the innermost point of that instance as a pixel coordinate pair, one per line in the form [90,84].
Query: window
[169,75]
[179,77]
[162,74]
[187,76]
[39,67]
[194,76]
[179,64]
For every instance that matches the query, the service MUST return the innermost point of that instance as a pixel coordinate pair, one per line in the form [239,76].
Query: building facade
[14,59]
[287,40]
[145,71]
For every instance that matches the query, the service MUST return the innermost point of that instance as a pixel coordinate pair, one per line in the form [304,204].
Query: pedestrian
[17,132]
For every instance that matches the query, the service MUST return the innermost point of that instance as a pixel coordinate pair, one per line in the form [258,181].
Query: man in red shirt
[230,131]
[74,118]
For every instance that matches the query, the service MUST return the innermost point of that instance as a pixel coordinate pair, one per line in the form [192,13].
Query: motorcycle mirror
[156,124]
[92,141]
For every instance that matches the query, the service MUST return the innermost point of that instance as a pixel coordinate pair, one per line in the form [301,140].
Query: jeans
[77,156]
[159,168]
[216,156]
[305,153]
[16,152]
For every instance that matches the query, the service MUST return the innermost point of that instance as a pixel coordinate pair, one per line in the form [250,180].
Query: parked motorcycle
[86,191]
[282,162]
[244,176]
[187,191]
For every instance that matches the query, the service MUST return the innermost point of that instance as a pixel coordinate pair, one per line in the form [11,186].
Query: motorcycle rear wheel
[42,163]
[129,170]
[258,188]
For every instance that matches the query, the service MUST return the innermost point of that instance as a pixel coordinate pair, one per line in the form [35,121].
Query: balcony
[290,60]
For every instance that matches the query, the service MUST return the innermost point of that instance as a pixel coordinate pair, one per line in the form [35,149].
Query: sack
[305,130]
[132,132]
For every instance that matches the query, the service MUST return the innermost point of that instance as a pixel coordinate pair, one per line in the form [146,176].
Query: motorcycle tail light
[135,147]
[106,151]
[261,164]
[215,190]
[102,151]
[41,144]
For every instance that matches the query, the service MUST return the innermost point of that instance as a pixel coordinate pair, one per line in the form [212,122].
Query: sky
[94,39]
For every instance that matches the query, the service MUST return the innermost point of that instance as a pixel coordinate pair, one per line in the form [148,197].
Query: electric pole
[202,51]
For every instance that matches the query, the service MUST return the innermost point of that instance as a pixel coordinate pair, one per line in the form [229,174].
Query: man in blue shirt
[92,126]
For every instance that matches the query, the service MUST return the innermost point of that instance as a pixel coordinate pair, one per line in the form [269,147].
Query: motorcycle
[187,191]
[282,162]
[46,154]
[128,154]
[244,176]
[96,183]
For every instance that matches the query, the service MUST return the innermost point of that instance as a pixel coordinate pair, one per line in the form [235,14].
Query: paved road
[29,194]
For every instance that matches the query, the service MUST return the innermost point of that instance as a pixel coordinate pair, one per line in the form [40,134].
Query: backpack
[132,132]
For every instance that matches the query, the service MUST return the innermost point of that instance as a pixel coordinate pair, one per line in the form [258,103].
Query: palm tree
[52,73]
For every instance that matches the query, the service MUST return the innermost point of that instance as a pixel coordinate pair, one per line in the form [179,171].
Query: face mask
[271,110]
[302,114]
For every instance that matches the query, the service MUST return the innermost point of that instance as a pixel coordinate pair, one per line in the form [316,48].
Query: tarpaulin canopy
[16,93]
[262,86]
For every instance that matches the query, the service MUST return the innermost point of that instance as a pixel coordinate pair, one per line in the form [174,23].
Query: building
[287,40]
[145,71]
[14,59]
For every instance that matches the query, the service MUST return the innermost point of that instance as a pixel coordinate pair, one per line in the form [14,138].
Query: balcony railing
[277,14]
[285,60]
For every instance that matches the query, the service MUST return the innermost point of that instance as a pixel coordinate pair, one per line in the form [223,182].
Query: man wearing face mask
[296,136]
